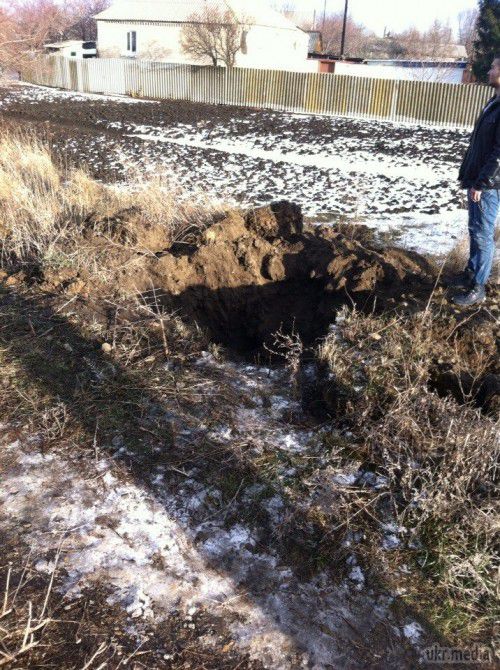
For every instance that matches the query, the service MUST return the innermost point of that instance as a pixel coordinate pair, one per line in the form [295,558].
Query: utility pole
[324,17]
[344,26]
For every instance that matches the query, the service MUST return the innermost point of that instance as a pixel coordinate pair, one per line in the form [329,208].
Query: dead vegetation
[47,211]
[21,624]
[438,457]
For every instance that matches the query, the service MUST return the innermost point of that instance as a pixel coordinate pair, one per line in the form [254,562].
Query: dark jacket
[481,166]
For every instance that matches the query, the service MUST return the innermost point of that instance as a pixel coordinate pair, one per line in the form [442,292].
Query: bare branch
[215,36]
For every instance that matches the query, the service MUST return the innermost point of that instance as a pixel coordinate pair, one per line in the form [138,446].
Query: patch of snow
[345,479]
[413,632]
[363,164]
[175,551]
[390,542]
[356,575]
[44,93]
[148,556]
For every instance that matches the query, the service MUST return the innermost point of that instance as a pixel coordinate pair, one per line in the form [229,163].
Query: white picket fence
[444,105]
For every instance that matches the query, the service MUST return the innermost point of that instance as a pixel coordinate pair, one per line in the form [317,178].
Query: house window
[132,41]
[73,53]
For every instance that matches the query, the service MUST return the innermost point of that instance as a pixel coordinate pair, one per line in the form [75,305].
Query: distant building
[315,41]
[447,72]
[152,30]
[72,49]
[455,52]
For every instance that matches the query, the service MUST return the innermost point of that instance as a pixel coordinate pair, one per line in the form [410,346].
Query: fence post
[395,100]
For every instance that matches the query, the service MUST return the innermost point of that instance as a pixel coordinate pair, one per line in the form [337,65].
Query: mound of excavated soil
[255,272]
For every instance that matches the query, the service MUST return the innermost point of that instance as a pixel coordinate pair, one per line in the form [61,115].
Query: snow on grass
[160,546]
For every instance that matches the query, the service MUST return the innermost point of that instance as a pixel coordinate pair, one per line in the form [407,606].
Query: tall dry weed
[45,208]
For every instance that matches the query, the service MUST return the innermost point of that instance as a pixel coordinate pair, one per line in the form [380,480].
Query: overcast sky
[392,14]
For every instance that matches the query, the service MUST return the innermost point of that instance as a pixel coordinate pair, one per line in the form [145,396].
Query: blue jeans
[482,220]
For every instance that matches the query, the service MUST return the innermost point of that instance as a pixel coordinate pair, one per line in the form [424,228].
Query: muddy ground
[177,493]
[180,495]
[330,166]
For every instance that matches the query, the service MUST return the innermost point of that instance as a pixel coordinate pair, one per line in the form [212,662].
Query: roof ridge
[178,11]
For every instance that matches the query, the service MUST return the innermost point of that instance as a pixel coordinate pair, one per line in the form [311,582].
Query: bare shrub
[289,347]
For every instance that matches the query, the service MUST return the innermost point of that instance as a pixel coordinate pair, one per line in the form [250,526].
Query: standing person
[480,175]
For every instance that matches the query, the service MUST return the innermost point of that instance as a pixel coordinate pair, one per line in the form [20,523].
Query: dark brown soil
[94,114]
[258,272]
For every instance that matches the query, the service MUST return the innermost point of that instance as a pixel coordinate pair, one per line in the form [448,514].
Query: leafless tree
[432,44]
[467,29]
[215,36]
[80,18]
[358,38]
[24,28]
[437,40]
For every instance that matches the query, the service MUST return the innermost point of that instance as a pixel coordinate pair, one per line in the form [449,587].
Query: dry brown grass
[45,209]
[439,457]
[22,623]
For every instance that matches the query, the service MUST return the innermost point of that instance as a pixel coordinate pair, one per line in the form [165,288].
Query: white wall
[153,42]
[74,49]
[446,75]
[274,48]
[267,48]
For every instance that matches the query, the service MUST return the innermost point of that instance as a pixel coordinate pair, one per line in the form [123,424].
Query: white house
[444,72]
[152,29]
[72,49]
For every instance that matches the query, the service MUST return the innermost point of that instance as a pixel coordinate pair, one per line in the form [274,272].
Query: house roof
[456,51]
[180,11]
[66,43]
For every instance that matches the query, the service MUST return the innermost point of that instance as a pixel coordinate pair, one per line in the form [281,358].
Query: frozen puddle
[159,547]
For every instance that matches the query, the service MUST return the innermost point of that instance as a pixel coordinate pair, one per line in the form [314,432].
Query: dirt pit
[256,272]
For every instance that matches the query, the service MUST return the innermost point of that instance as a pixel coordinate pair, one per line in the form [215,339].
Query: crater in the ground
[257,272]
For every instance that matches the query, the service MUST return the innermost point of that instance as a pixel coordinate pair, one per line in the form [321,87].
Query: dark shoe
[462,280]
[476,295]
